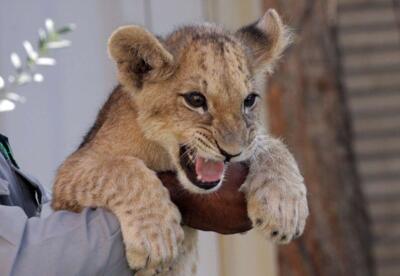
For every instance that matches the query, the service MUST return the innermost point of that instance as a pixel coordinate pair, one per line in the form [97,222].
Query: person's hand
[224,211]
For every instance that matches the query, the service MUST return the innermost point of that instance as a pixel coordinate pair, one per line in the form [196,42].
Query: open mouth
[205,174]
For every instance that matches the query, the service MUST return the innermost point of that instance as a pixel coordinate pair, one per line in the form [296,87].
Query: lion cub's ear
[266,39]
[139,55]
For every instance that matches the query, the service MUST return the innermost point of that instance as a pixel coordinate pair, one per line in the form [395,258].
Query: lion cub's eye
[250,100]
[195,99]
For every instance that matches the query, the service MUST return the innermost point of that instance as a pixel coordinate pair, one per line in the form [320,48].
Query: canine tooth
[191,158]
[199,177]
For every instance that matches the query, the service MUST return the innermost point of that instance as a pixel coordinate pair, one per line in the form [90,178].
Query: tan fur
[140,129]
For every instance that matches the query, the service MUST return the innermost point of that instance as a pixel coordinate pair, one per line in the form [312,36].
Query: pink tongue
[209,171]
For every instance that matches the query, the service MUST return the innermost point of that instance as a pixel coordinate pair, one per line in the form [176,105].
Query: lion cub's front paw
[152,239]
[279,210]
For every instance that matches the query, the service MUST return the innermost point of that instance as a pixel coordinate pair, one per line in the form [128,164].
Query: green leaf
[53,37]
[42,41]
[66,29]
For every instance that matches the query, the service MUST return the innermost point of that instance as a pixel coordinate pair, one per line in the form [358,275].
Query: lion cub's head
[195,91]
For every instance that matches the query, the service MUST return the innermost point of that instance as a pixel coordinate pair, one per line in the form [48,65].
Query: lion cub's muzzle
[204,173]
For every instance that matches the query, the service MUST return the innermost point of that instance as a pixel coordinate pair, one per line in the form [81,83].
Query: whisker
[207,146]
[189,151]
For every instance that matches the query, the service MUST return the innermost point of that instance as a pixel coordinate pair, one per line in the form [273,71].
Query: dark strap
[5,149]
[23,192]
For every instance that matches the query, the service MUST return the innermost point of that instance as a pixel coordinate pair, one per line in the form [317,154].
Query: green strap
[6,151]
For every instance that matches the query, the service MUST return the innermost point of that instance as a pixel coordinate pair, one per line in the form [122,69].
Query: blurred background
[334,99]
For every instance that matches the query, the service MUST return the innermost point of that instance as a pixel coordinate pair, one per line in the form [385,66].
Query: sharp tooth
[199,177]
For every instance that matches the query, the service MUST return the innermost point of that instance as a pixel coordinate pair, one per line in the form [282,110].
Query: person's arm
[223,211]
[65,243]
[90,243]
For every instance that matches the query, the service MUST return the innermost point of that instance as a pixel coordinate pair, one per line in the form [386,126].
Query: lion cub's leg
[150,222]
[186,262]
[275,191]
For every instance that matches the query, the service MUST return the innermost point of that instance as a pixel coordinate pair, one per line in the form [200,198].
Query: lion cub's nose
[228,156]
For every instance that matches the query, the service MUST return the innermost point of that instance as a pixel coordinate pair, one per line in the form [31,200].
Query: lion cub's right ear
[139,55]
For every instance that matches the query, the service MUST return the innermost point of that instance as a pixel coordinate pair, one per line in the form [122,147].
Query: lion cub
[187,103]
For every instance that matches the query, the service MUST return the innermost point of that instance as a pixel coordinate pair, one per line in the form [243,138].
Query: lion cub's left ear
[266,40]
[139,55]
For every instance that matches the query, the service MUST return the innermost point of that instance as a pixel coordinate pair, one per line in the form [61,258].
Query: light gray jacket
[61,243]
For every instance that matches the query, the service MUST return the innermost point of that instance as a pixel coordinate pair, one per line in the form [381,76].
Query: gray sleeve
[64,243]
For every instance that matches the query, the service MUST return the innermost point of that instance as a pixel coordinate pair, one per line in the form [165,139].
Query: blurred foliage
[26,70]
